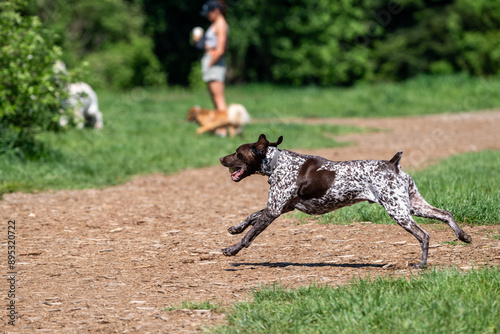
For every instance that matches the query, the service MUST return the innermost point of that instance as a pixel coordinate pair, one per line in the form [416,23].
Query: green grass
[191,305]
[146,132]
[418,96]
[453,243]
[82,159]
[467,185]
[436,301]
[143,134]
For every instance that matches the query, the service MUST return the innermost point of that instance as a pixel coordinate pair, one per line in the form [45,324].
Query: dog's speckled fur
[315,185]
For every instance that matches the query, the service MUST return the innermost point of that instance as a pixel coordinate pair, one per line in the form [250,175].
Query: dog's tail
[395,161]
[238,115]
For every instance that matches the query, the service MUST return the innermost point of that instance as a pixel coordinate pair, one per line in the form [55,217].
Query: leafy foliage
[443,37]
[130,43]
[307,42]
[327,42]
[336,42]
[109,36]
[31,92]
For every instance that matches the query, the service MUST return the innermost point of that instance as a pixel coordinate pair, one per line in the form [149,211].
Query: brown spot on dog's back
[313,183]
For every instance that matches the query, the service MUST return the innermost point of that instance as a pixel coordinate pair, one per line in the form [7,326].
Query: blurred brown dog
[235,118]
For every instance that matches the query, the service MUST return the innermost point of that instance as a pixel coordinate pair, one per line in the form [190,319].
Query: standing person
[213,63]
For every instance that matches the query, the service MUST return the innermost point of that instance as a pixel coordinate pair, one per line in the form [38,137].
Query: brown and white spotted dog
[315,185]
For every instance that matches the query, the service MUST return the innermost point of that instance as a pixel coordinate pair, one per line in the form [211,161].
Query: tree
[31,92]
[107,34]
[441,37]
[301,42]
[336,42]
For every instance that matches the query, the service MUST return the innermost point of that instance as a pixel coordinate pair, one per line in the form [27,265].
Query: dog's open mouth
[236,173]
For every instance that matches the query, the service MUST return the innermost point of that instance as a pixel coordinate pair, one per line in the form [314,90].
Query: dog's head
[247,159]
[193,113]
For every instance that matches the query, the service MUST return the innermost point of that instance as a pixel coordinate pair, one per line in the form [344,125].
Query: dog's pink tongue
[236,175]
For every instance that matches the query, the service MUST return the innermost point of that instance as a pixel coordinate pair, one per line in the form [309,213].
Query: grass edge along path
[145,130]
[435,301]
[96,159]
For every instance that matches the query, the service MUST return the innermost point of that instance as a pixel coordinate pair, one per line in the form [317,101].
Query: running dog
[315,185]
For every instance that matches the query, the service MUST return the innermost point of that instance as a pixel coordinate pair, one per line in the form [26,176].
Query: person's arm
[221,32]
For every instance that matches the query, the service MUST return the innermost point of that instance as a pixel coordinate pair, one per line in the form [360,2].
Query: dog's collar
[268,167]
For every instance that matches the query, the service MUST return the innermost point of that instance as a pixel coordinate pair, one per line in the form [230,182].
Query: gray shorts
[216,72]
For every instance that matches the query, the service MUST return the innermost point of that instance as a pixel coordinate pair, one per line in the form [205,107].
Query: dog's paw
[229,251]
[234,230]
[465,238]
[420,265]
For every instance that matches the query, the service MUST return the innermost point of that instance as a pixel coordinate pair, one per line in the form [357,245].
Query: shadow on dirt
[286,264]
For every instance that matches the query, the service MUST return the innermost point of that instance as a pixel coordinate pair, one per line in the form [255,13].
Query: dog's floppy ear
[280,140]
[260,147]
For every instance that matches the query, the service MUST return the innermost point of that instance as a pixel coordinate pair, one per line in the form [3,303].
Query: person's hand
[214,57]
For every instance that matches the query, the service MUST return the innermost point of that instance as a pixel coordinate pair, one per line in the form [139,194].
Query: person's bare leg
[216,89]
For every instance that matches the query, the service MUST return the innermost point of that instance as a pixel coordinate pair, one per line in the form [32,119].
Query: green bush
[441,37]
[195,77]
[31,91]
[478,41]
[125,65]
[108,35]
[330,43]
[321,42]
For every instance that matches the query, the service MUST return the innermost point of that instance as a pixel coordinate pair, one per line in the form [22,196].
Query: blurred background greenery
[295,58]
[130,43]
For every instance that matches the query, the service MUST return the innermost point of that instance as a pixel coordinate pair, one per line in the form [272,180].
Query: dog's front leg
[211,126]
[264,220]
[232,131]
[237,229]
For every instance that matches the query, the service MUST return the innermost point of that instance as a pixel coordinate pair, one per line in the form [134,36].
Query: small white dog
[238,116]
[83,99]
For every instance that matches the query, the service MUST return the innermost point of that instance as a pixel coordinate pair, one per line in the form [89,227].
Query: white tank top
[210,38]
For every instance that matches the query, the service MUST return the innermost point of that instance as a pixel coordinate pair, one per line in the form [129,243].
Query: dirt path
[110,260]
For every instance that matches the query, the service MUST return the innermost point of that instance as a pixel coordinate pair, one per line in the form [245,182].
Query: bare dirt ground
[110,260]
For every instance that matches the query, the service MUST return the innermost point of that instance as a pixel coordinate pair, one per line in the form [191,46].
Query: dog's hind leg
[237,229]
[211,126]
[401,215]
[420,208]
[232,131]
[264,220]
